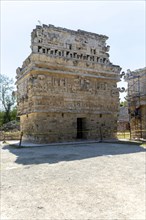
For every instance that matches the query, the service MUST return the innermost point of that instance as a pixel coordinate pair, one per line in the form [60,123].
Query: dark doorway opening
[80,128]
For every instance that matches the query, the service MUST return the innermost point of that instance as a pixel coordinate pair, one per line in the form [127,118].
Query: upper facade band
[64,47]
[82,45]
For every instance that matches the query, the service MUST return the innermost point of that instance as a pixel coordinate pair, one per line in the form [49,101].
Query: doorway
[80,128]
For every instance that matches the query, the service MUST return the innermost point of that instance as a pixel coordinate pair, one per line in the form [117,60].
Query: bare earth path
[73,182]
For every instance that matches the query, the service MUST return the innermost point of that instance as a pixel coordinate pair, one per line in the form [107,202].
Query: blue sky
[122,21]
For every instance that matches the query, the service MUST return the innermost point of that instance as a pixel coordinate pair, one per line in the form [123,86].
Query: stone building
[67,87]
[137,102]
[123,119]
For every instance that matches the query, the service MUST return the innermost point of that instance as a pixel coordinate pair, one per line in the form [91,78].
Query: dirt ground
[94,181]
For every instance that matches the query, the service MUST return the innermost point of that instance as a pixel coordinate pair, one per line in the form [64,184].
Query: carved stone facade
[67,87]
[137,102]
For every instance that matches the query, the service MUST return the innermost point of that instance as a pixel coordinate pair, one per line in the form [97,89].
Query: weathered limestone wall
[143,121]
[67,84]
[66,93]
[123,119]
[137,102]
[51,127]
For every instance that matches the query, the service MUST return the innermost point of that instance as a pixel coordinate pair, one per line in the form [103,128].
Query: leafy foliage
[7,97]
[124,104]
[2,117]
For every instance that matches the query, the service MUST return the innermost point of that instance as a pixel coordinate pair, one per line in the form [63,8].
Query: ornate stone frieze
[67,86]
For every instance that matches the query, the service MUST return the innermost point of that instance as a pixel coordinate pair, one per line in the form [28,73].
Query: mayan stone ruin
[136,98]
[67,87]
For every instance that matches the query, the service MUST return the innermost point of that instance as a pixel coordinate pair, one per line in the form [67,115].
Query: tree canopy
[7,96]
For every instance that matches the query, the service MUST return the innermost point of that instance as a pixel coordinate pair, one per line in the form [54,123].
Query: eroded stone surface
[67,86]
[137,102]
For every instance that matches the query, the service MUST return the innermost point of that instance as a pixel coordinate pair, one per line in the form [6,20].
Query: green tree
[1,117]
[7,96]
[123,103]
[14,113]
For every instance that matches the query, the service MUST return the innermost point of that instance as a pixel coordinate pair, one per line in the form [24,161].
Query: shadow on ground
[55,154]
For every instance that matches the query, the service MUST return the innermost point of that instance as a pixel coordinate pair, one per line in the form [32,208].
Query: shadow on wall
[56,154]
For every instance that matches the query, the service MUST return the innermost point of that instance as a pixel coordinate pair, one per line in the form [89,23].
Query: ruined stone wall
[137,102]
[51,127]
[68,76]
[66,93]
[123,119]
[137,83]
[71,44]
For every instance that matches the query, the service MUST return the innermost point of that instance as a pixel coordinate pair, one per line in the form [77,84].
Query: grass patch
[143,145]
[123,135]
